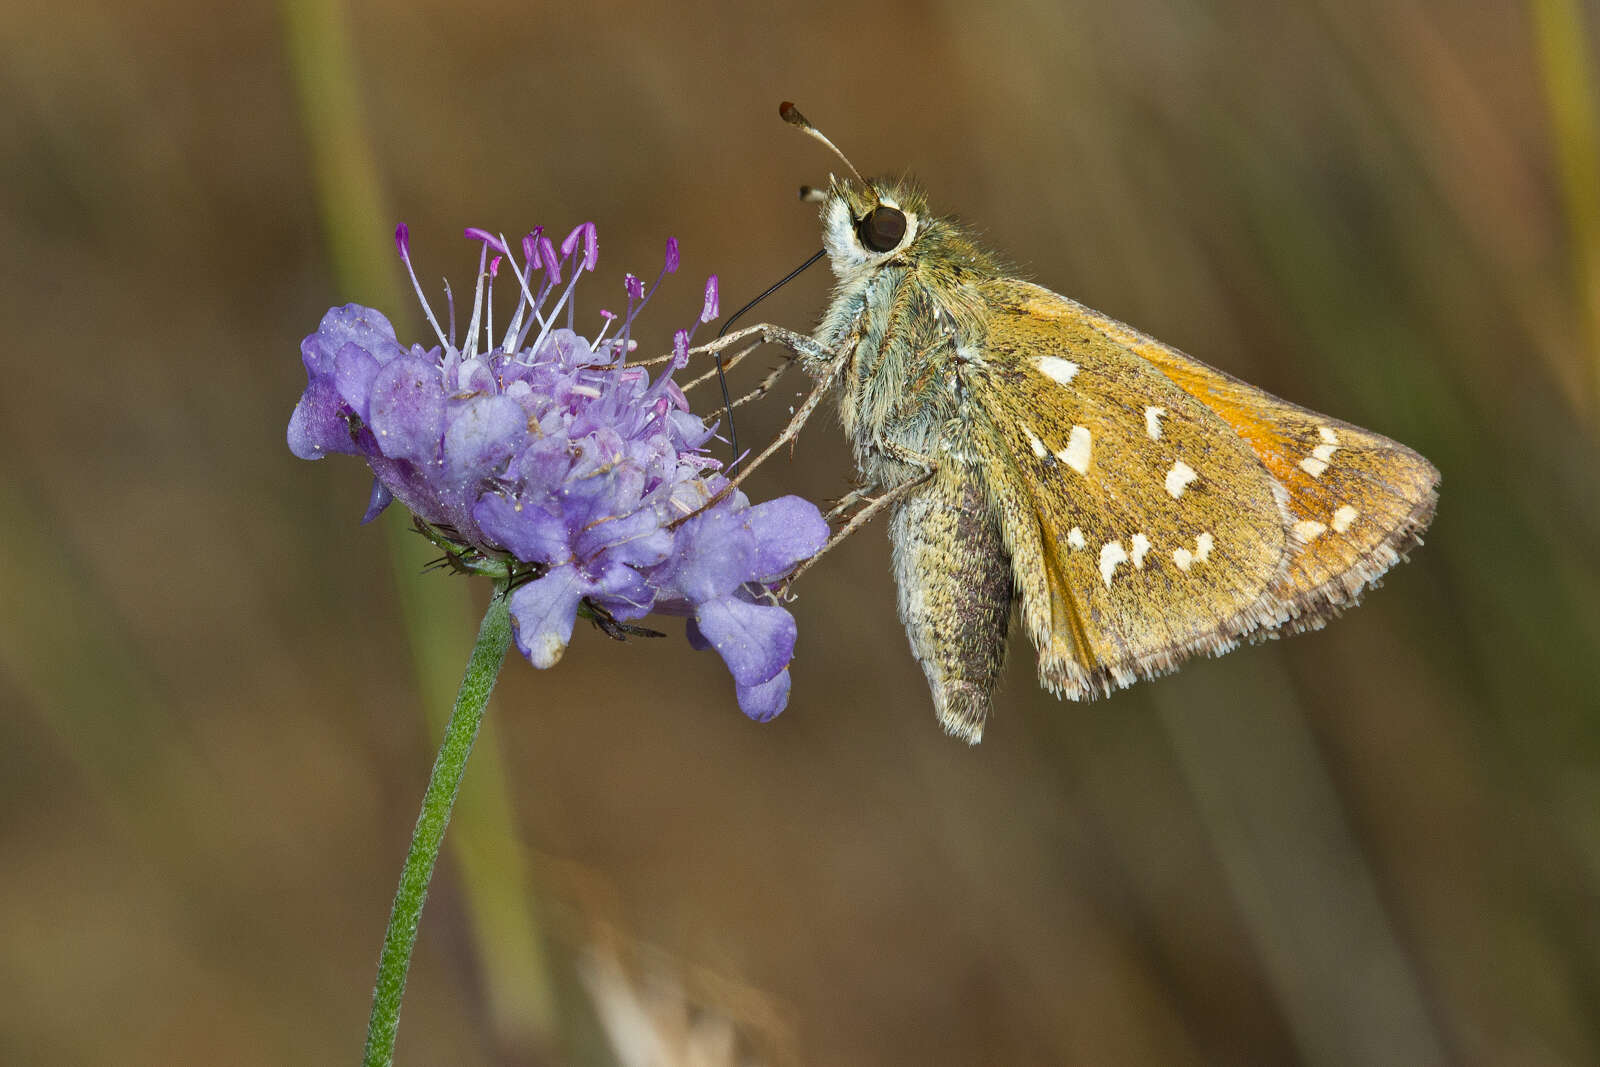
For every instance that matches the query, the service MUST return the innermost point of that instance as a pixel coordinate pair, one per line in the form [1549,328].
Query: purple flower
[548,460]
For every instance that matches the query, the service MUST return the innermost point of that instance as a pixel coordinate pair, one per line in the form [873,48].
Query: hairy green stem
[483,669]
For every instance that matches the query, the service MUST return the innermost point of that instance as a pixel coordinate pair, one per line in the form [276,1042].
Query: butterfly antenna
[722,379]
[791,114]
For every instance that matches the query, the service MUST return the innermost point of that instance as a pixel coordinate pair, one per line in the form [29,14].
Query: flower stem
[483,669]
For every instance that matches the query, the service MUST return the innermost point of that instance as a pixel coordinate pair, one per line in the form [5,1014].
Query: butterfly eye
[883,229]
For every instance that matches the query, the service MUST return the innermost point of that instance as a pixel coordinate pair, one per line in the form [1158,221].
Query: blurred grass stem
[483,669]
[1567,71]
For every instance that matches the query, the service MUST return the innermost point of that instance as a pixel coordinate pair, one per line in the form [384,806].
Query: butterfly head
[867,224]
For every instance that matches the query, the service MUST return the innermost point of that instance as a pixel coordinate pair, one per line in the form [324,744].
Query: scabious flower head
[548,458]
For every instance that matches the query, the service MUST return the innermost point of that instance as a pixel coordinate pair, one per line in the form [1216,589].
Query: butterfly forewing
[1356,501]
[1160,508]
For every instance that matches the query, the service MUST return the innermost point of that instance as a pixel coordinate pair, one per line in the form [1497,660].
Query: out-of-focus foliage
[1375,844]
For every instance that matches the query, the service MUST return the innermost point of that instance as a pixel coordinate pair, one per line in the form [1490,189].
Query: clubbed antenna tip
[791,114]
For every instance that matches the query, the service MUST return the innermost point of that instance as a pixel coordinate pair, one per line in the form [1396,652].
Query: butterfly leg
[808,349]
[790,432]
[955,593]
[862,516]
[727,367]
[762,388]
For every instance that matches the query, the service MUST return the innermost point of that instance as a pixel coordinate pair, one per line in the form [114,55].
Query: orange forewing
[1300,511]
[1324,464]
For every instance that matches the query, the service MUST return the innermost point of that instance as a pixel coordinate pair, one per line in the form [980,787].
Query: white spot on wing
[1308,529]
[1152,422]
[1056,369]
[1141,548]
[1343,518]
[1076,454]
[1178,478]
[1111,554]
[1202,548]
[1036,444]
[1075,538]
[1322,455]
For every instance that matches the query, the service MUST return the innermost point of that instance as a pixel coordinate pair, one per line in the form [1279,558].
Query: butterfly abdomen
[954,578]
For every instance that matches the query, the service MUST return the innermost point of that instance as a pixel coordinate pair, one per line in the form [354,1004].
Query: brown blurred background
[1379,844]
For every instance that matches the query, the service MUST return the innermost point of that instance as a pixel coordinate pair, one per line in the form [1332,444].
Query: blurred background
[221,696]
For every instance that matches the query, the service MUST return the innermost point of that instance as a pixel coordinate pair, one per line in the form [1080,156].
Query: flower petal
[763,702]
[756,641]
[317,426]
[407,413]
[697,640]
[636,538]
[542,613]
[354,369]
[365,327]
[377,502]
[787,530]
[715,555]
[482,434]
[526,530]
[622,591]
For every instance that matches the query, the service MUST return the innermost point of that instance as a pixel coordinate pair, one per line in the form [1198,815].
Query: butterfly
[1137,505]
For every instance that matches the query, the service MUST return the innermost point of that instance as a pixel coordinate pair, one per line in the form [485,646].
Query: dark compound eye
[883,229]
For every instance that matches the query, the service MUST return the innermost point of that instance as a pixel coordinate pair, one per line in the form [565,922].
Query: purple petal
[623,591]
[672,254]
[474,376]
[379,500]
[544,464]
[572,349]
[691,430]
[542,613]
[350,324]
[763,702]
[317,427]
[697,640]
[756,641]
[483,433]
[530,533]
[787,530]
[354,369]
[636,539]
[408,410]
[716,554]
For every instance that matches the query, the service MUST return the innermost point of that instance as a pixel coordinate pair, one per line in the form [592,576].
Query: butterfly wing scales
[1360,500]
[1159,508]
